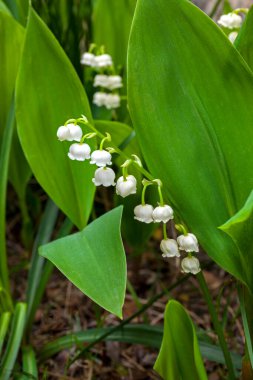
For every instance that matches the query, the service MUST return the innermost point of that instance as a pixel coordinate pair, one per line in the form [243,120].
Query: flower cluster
[231,21]
[187,242]
[104,63]
[127,185]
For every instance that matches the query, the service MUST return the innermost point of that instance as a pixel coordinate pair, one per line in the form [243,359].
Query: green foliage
[244,41]
[11,36]
[16,333]
[197,90]
[179,357]
[46,72]
[240,229]
[94,260]
[111,26]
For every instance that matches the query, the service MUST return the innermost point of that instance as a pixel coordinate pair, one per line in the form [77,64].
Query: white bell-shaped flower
[125,187]
[188,243]
[104,176]
[63,133]
[114,81]
[112,101]
[103,60]
[232,36]
[190,264]
[162,214]
[75,132]
[230,21]
[101,158]
[79,152]
[101,81]
[99,98]
[169,248]
[143,213]
[88,59]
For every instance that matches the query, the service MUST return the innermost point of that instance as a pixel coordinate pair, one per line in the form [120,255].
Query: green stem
[117,150]
[165,236]
[4,164]
[129,319]
[160,195]
[217,325]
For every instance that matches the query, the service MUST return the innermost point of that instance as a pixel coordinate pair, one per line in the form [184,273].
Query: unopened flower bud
[162,214]
[63,133]
[103,60]
[88,59]
[104,176]
[79,152]
[232,36]
[190,265]
[169,248]
[125,187]
[230,21]
[188,243]
[143,213]
[101,158]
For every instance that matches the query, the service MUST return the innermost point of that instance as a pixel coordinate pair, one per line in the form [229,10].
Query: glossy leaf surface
[94,260]
[179,356]
[47,72]
[198,91]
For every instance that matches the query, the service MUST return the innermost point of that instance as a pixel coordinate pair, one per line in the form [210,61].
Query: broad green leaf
[11,36]
[244,41]
[189,91]
[240,229]
[179,357]
[94,260]
[4,8]
[118,131]
[19,9]
[49,92]
[111,26]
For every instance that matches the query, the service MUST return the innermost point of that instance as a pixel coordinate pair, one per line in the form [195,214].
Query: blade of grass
[245,325]
[4,324]
[4,164]
[13,345]
[35,272]
[30,370]
[45,273]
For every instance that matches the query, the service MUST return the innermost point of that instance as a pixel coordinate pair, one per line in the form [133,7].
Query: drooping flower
[79,152]
[112,101]
[125,187]
[63,133]
[103,60]
[188,243]
[114,81]
[190,264]
[169,248]
[101,158]
[232,36]
[101,81]
[70,132]
[75,132]
[88,59]
[230,21]
[104,176]
[143,213]
[162,214]
[99,98]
